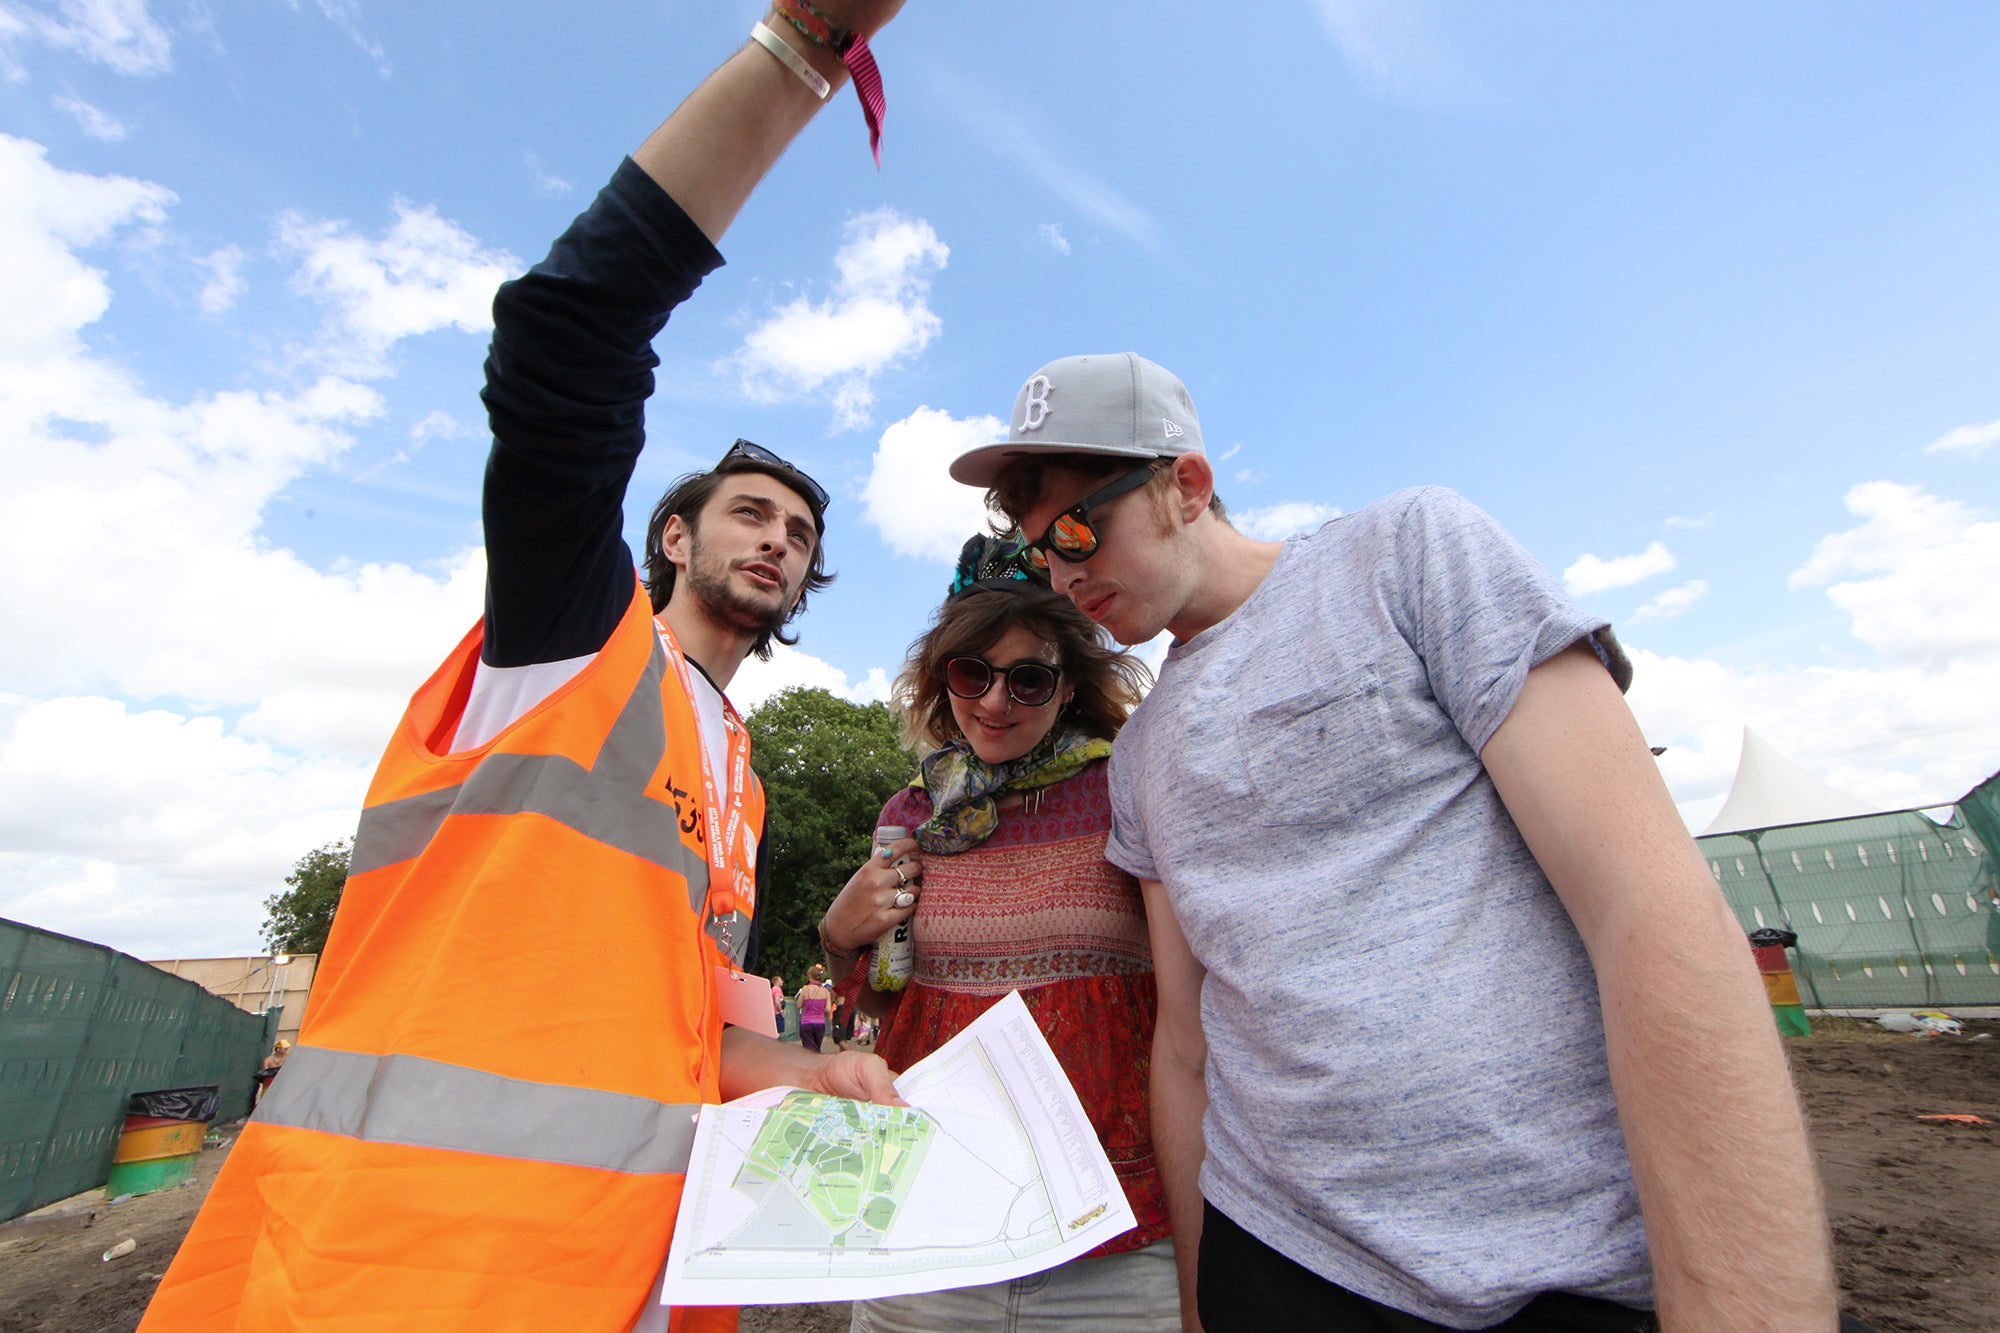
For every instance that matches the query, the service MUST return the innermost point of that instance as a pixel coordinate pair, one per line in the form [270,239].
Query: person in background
[778,1002]
[1015,697]
[268,1070]
[814,1002]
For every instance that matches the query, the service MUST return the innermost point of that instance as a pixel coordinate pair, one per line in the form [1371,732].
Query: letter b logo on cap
[1035,403]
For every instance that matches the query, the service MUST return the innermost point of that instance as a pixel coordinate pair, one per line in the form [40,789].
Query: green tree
[297,919]
[827,765]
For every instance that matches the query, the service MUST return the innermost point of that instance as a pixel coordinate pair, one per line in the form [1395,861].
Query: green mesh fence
[82,1028]
[1980,808]
[1891,910]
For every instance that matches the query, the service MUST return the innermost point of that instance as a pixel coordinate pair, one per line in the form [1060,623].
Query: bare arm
[1178,1093]
[710,154]
[1696,1064]
[751,1062]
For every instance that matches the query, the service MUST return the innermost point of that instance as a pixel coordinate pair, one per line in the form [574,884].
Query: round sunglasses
[1030,684]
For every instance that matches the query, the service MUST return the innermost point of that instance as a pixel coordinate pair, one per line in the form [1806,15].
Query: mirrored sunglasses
[1073,536]
[757,453]
[1030,684]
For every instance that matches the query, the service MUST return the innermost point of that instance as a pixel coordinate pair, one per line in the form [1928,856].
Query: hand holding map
[992,1172]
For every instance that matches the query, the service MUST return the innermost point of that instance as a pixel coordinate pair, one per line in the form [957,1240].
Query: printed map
[992,1172]
[849,1163]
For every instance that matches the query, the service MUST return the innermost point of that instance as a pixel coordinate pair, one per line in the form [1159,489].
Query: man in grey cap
[1388,781]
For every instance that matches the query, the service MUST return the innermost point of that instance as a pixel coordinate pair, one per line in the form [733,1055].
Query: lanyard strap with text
[725,831]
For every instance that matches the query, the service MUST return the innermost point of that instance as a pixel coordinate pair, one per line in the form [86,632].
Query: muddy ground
[1915,1204]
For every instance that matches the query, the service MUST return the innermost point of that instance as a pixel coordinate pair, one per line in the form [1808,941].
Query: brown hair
[687,498]
[1108,683]
[1018,487]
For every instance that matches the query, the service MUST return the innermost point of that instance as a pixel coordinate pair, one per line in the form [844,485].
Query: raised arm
[1696,1064]
[1178,1094]
[571,365]
[710,154]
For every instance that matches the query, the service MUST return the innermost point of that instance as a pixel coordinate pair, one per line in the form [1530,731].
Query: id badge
[746,1001]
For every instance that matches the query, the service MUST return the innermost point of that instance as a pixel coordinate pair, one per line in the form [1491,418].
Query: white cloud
[1974,440]
[547,184]
[1894,736]
[438,425]
[346,15]
[1395,50]
[1593,573]
[757,681]
[117,33]
[1051,235]
[1673,602]
[47,292]
[878,315]
[1037,151]
[1922,573]
[95,122]
[910,498]
[1230,452]
[225,280]
[1678,522]
[1917,725]
[424,273]
[158,832]
[1276,522]
[139,570]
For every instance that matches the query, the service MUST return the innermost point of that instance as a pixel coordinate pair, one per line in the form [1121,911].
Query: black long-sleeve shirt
[567,380]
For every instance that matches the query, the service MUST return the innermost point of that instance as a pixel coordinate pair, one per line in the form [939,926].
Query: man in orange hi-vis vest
[486,1119]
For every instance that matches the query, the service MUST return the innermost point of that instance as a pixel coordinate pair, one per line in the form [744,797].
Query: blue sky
[1702,301]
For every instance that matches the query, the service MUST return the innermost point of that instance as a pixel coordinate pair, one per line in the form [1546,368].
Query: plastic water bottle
[895,953]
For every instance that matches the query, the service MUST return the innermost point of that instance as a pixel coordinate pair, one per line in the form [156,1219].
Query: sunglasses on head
[1073,536]
[1030,684]
[757,453]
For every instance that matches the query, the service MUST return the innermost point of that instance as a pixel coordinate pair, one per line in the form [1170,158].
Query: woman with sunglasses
[1015,696]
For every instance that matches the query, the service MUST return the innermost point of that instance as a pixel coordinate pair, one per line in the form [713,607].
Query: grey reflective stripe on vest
[605,802]
[429,1104]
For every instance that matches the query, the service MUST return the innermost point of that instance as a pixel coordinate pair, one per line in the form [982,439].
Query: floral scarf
[963,787]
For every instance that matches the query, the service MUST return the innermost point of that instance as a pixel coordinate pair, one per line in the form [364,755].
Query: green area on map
[851,1163]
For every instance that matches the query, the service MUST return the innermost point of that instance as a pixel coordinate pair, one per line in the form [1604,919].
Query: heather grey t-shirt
[1406,1071]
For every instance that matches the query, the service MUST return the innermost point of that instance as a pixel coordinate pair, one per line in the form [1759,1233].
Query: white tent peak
[1771,790]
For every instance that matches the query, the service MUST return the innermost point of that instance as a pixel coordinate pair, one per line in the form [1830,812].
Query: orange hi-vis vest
[487,1119]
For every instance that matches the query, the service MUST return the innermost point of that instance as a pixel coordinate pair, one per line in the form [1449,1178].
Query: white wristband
[792,60]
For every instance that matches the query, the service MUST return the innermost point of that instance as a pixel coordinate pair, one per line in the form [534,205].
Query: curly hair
[1108,683]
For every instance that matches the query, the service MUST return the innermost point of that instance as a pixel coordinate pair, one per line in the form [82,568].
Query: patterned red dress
[1036,908]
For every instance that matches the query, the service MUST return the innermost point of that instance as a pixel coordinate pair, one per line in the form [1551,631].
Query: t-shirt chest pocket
[1309,755]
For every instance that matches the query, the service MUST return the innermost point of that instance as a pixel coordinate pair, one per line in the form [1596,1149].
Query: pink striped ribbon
[868,87]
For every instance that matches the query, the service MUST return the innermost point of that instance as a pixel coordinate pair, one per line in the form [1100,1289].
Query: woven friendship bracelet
[853,51]
[815,25]
[844,955]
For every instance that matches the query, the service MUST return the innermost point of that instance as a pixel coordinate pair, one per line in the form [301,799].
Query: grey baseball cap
[1121,406]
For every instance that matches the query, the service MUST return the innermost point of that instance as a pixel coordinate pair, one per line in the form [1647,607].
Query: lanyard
[725,832]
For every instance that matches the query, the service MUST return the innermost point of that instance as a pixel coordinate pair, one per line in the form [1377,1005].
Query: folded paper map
[992,1172]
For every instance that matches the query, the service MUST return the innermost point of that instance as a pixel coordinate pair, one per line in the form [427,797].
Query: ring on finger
[901,878]
[904,898]
[886,853]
